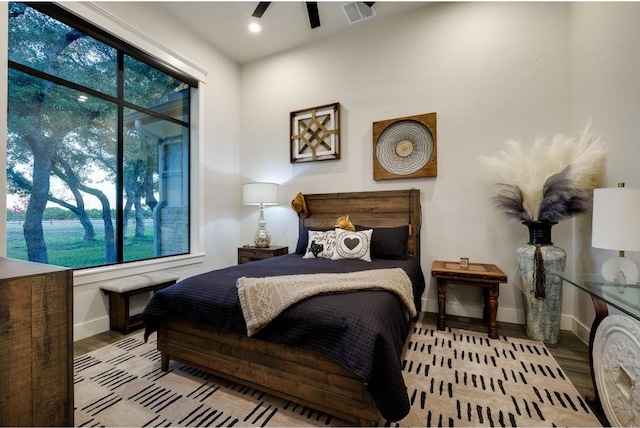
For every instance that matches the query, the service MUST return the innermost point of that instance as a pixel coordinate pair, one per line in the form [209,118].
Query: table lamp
[260,194]
[616,226]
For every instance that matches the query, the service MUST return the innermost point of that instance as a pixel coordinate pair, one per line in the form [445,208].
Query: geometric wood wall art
[405,147]
[315,133]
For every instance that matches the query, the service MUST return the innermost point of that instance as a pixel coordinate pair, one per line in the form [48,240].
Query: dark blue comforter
[364,331]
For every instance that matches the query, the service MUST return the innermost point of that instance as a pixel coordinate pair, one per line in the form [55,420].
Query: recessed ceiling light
[254,27]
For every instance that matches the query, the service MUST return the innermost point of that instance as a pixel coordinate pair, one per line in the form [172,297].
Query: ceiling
[285,24]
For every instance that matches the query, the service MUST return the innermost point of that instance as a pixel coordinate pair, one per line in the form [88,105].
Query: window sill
[88,276]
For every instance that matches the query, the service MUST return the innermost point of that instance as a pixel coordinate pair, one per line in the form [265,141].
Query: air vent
[357,11]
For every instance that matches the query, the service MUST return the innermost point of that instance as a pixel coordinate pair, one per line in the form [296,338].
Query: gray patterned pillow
[353,245]
[321,245]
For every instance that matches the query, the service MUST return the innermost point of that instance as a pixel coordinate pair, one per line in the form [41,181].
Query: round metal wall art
[616,368]
[404,147]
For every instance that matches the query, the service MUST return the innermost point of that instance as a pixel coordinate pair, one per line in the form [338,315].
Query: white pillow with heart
[353,245]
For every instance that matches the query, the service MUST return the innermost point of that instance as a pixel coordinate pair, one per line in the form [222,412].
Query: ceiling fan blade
[260,9]
[314,16]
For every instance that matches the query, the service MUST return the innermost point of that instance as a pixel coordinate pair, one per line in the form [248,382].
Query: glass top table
[624,297]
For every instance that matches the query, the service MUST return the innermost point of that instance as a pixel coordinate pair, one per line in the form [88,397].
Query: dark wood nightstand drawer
[251,254]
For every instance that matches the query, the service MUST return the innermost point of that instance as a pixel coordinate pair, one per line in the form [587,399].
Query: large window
[98,145]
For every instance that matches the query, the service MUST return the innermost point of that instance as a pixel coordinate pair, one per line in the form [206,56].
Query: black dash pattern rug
[453,377]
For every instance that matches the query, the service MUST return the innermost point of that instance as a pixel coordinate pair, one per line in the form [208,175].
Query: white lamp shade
[616,219]
[260,193]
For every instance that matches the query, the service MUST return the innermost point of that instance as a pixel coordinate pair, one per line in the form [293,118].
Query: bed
[337,353]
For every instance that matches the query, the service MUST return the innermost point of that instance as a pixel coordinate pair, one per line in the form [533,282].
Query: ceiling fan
[312,11]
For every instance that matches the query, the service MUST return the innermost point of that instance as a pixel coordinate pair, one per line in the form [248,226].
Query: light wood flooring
[570,352]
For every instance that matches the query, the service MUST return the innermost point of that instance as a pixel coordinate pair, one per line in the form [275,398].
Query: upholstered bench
[119,290]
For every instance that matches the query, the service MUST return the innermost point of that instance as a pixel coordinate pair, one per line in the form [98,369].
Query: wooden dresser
[36,344]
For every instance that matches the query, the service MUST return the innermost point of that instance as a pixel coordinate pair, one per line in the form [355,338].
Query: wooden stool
[483,275]
[119,290]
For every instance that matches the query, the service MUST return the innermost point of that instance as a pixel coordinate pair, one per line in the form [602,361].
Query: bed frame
[284,371]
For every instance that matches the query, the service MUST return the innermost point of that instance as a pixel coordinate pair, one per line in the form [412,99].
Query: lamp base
[620,270]
[262,239]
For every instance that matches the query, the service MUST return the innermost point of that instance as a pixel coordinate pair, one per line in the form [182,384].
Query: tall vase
[542,291]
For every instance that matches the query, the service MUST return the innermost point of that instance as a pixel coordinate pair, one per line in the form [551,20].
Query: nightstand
[251,253]
[484,275]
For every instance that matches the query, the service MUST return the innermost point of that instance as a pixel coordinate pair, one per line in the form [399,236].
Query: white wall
[605,65]
[491,72]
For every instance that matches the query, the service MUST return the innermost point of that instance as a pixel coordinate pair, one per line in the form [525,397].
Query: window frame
[99,24]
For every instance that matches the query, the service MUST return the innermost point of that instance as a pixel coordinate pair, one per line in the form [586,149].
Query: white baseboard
[582,331]
[515,316]
[473,311]
[90,328]
[99,325]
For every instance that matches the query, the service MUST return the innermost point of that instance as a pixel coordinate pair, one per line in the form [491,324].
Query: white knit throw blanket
[263,299]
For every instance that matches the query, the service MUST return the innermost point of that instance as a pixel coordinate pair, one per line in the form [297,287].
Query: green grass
[65,246]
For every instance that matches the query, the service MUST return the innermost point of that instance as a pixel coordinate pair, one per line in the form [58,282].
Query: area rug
[453,377]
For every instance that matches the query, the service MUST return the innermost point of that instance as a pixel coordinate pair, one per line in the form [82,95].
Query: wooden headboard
[390,208]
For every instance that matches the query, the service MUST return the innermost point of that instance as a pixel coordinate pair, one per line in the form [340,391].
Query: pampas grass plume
[573,165]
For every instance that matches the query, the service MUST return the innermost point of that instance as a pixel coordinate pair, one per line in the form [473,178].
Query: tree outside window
[97,150]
